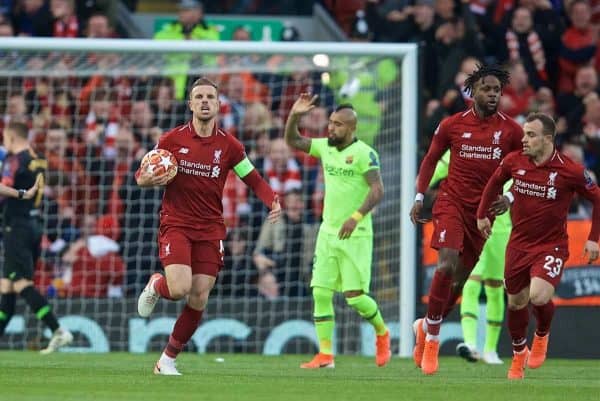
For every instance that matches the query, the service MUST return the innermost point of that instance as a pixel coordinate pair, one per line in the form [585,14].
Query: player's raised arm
[303,105]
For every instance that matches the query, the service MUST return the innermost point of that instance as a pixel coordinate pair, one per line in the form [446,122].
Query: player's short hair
[203,81]
[483,71]
[548,124]
[344,106]
[19,128]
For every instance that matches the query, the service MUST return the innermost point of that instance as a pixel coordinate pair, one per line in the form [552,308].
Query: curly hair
[483,71]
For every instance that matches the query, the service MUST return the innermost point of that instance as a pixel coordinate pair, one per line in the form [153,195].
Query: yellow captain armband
[358,216]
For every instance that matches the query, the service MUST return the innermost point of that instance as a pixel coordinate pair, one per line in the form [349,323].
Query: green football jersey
[345,185]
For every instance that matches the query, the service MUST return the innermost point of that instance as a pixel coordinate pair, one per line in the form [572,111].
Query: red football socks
[184,329]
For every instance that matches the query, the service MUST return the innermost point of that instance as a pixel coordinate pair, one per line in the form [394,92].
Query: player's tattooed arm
[375,195]
[303,105]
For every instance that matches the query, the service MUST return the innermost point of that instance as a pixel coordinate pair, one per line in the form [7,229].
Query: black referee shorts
[22,246]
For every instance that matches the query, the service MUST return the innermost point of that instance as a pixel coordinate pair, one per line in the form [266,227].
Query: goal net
[95,107]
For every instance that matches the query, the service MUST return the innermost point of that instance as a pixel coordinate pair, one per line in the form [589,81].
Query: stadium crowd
[100,227]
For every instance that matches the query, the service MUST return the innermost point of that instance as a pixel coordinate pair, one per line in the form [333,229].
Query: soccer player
[344,247]
[478,139]
[23,233]
[191,228]
[544,184]
[488,272]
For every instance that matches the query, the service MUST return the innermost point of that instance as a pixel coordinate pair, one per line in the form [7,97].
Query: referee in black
[22,232]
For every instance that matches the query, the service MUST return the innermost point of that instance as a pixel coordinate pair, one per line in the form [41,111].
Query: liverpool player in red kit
[191,228]
[478,139]
[544,184]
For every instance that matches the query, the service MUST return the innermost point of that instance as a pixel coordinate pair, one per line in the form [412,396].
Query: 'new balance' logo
[521,172]
[466,134]
[184,151]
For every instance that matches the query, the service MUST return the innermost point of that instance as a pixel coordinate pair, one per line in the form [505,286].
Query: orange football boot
[319,361]
[419,342]
[538,351]
[517,367]
[382,345]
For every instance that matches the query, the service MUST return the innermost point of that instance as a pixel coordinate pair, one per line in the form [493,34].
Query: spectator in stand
[571,106]
[101,125]
[99,26]
[237,278]
[578,44]
[518,94]
[190,25]
[144,128]
[16,109]
[524,43]
[32,18]
[284,251]
[455,39]
[66,23]
[233,97]
[93,266]
[282,171]
[167,110]
[6,29]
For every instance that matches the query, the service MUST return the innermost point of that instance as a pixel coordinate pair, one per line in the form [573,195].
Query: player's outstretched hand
[415,213]
[484,226]
[499,206]
[37,186]
[147,179]
[347,229]
[275,212]
[591,249]
[305,103]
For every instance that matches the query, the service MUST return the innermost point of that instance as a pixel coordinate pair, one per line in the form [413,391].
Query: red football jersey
[542,195]
[194,198]
[477,145]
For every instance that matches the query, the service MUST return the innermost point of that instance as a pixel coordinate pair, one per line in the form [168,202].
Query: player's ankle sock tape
[368,309]
[7,309]
[40,307]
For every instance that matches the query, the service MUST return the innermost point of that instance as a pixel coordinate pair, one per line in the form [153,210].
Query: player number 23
[553,265]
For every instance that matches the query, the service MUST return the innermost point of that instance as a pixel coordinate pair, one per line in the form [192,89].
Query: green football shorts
[342,265]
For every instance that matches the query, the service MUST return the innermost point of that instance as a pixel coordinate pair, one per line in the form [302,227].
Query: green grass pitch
[121,376]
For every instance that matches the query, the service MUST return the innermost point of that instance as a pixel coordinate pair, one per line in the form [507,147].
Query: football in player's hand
[159,162]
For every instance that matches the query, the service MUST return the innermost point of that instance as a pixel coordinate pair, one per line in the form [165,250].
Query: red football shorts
[456,228]
[177,246]
[521,266]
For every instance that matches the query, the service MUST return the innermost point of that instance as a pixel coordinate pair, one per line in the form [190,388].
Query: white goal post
[406,54]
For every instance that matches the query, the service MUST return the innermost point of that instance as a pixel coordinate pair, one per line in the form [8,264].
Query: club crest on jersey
[349,159]
[497,136]
[589,181]
[552,178]
[217,156]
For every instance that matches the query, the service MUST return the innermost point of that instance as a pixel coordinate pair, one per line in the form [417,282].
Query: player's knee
[540,298]
[517,304]
[322,295]
[179,290]
[472,289]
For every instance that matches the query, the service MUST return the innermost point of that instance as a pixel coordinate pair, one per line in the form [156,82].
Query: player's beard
[335,141]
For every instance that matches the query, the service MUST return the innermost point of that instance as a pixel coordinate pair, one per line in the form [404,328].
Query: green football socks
[469,311]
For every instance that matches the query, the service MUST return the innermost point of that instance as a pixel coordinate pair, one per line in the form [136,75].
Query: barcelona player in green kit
[344,248]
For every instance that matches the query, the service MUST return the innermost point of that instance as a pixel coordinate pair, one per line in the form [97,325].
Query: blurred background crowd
[95,127]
